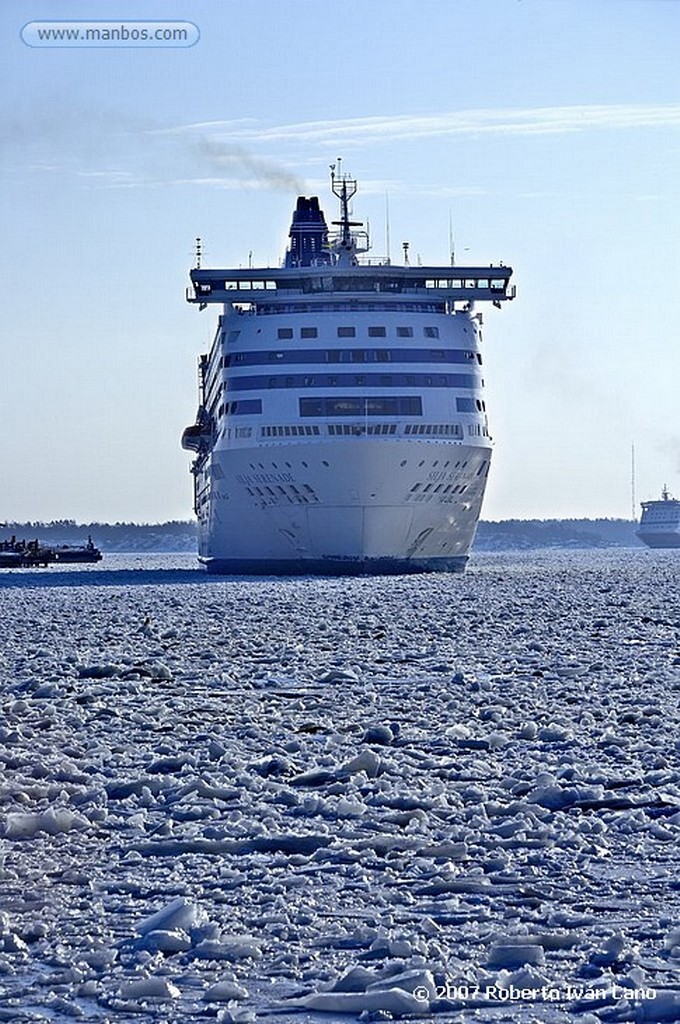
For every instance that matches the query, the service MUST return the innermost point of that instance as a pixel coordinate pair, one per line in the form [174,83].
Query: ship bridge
[365,283]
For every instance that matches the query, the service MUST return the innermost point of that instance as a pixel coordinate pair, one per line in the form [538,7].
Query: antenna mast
[387,226]
[345,188]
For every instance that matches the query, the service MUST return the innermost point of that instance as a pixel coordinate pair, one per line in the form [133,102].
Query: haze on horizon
[545,135]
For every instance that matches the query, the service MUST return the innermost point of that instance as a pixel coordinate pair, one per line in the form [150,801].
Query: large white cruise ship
[342,424]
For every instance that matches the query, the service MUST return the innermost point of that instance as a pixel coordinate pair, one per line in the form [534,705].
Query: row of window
[253,406]
[268,309]
[349,332]
[436,488]
[345,380]
[450,429]
[246,407]
[364,282]
[352,355]
[356,430]
[353,429]
[454,430]
[289,431]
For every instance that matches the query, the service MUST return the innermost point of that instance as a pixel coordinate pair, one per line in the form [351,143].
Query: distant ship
[21,553]
[77,552]
[342,425]
[660,522]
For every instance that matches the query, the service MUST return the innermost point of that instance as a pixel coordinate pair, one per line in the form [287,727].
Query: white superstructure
[342,424]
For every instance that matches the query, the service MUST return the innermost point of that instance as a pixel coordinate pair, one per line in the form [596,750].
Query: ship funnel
[308,235]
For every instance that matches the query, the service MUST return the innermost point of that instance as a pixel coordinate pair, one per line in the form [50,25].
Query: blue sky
[547,132]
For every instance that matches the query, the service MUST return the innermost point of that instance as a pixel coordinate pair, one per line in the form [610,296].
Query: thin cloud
[532,121]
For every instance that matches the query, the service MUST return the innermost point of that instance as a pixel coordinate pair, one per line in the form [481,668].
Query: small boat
[77,552]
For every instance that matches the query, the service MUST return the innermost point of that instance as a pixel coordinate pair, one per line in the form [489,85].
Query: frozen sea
[447,798]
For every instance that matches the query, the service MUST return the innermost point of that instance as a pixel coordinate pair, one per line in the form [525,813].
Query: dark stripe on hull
[333,566]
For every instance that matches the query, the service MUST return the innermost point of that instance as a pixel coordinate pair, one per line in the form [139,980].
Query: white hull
[356,505]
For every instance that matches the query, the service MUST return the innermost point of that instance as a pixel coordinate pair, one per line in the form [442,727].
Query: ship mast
[346,244]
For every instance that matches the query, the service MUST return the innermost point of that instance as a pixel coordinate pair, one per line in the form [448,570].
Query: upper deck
[360,283]
[320,267]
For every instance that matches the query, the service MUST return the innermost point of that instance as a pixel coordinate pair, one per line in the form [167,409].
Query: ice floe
[442,798]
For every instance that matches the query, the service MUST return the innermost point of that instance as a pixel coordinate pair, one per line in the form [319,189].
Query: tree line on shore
[181,535]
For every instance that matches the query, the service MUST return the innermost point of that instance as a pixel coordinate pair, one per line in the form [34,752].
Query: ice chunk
[229,947]
[225,991]
[381,735]
[512,955]
[393,1000]
[339,675]
[367,761]
[180,914]
[145,988]
[356,979]
[20,825]
[167,941]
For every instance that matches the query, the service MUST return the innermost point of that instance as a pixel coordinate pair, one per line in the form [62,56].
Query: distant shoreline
[180,535]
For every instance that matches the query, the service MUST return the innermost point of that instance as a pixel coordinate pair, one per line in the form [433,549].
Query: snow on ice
[451,798]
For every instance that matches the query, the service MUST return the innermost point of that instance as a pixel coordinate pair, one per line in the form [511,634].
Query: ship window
[406,405]
[358,355]
[382,355]
[284,332]
[333,355]
[431,332]
[246,406]
[346,332]
[345,406]
[308,332]
[277,355]
[404,332]
[465,405]
[377,332]
[311,407]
